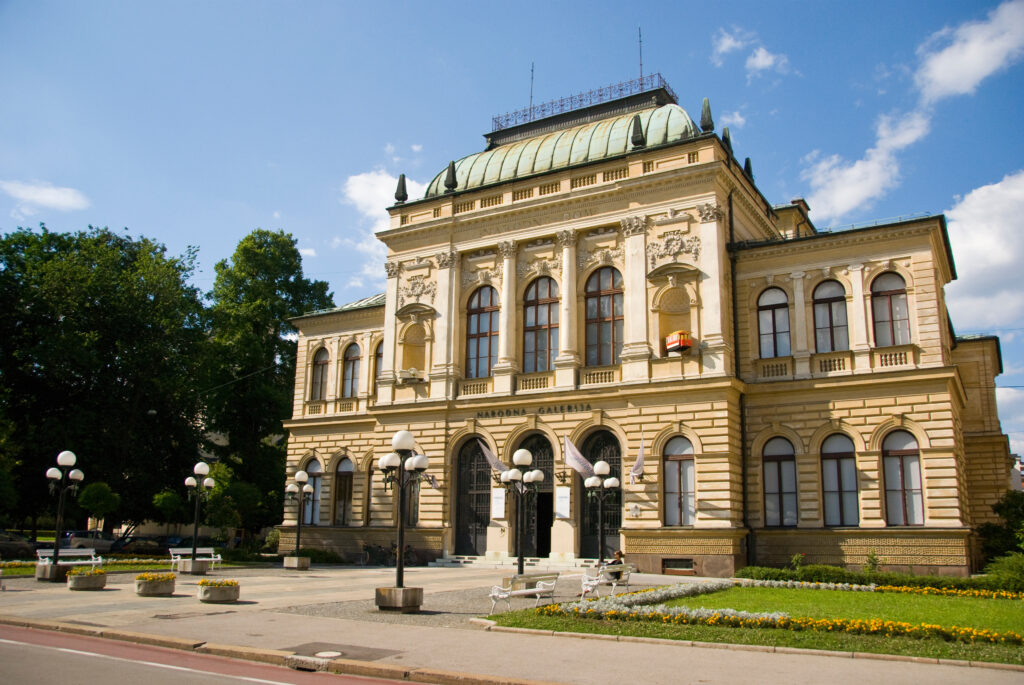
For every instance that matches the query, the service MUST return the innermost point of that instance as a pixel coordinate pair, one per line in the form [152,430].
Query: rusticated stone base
[406,600]
[297,563]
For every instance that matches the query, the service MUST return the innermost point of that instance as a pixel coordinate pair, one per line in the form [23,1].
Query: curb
[492,626]
[276,657]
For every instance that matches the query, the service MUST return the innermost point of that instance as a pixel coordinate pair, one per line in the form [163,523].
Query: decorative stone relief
[507,249]
[417,289]
[566,238]
[673,244]
[392,269]
[539,267]
[605,257]
[674,216]
[633,225]
[709,212]
[446,260]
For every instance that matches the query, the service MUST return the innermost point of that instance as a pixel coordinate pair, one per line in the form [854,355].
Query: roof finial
[450,183]
[727,139]
[748,169]
[707,124]
[400,194]
[638,138]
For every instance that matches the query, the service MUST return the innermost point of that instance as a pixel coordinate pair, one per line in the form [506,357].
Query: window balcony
[894,358]
[315,407]
[600,375]
[774,369]
[528,382]
[345,405]
[475,386]
[827,364]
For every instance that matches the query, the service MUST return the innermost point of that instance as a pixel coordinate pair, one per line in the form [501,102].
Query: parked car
[89,539]
[13,546]
[138,544]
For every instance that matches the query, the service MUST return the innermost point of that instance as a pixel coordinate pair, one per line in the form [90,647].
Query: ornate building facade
[820,402]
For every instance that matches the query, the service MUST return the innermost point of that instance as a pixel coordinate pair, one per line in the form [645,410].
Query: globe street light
[522,486]
[402,470]
[298,491]
[62,481]
[600,488]
[201,469]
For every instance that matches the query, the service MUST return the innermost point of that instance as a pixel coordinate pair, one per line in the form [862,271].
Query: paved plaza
[331,610]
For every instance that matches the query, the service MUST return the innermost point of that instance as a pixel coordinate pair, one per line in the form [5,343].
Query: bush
[1008,572]
[321,556]
[272,541]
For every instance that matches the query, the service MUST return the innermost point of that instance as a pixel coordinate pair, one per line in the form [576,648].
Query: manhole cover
[327,650]
[328,655]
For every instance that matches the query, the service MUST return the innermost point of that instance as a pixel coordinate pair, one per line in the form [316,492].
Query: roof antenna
[531,91]
[640,40]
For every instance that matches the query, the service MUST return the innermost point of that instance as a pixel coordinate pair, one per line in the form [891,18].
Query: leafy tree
[998,539]
[101,343]
[171,506]
[254,296]
[99,500]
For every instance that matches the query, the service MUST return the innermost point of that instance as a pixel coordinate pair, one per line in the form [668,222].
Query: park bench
[202,554]
[71,557]
[608,574]
[525,585]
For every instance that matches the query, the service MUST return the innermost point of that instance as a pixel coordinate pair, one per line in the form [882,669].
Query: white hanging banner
[498,503]
[563,510]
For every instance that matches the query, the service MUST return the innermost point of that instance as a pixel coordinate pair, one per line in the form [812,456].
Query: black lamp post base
[406,600]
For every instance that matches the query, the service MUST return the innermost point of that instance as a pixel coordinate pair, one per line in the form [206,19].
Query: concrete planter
[297,563]
[92,582]
[406,600]
[199,567]
[154,588]
[214,594]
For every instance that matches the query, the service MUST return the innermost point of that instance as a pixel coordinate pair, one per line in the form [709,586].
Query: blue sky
[196,122]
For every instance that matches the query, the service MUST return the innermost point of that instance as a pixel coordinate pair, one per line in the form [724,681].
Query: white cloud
[416,147]
[371,193]
[838,186]
[277,215]
[724,42]
[336,242]
[760,60]
[307,252]
[735,119]
[955,61]
[1011,416]
[38,195]
[389,149]
[984,232]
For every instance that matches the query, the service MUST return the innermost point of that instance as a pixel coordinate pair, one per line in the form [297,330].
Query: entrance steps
[529,563]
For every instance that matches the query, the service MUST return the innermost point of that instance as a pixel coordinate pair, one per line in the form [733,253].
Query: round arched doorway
[601,445]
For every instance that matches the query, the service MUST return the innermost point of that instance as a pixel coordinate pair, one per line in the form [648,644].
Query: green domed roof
[591,142]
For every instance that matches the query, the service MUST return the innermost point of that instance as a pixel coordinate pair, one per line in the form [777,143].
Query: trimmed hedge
[822,573]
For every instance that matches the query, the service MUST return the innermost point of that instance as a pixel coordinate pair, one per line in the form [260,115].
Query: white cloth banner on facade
[491,459]
[638,465]
[575,460]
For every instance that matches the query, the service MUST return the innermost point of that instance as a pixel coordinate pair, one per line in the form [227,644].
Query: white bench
[609,574]
[202,554]
[529,585]
[70,557]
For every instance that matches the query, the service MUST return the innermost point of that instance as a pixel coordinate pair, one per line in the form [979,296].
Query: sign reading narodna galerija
[552,409]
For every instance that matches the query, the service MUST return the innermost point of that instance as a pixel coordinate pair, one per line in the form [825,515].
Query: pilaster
[386,379]
[568,359]
[801,355]
[636,350]
[442,379]
[506,367]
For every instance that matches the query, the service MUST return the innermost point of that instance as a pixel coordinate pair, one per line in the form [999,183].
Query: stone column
[798,329]
[365,366]
[442,378]
[857,320]
[386,382]
[568,359]
[716,355]
[506,367]
[636,350]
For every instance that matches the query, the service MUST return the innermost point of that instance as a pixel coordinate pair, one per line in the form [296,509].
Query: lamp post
[298,491]
[600,488]
[402,469]
[201,469]
[62,481]
[522,486]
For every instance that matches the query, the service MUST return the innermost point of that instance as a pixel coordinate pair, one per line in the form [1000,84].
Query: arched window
[482,332]
[904,503]
[889,310]
[318,388]
[350,372]
[830,330]
[311,502]
[604,317]
[779,483]
[343,492]
[773,323]
[839,481]
[540,325]
[378,362]
[679,501]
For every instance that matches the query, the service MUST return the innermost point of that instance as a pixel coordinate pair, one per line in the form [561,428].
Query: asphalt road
[43,657]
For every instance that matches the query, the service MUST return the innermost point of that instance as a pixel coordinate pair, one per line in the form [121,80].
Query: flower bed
[951,592]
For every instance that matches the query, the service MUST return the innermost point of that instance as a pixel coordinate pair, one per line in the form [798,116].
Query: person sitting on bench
[616,559]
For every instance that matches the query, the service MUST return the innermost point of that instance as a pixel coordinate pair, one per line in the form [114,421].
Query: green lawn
[998,615]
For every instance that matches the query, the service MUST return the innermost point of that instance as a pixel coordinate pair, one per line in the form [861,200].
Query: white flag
[638,465]
[433,481]
[575,460]
[491,459]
